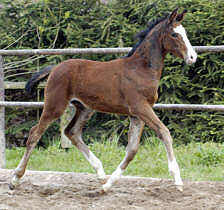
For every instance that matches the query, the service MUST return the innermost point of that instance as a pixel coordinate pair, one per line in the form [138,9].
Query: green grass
[197,161]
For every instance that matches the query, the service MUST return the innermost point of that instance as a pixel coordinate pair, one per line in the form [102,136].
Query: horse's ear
[172,16]
[181,16]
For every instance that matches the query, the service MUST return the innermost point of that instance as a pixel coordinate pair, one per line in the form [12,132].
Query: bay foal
[126,86]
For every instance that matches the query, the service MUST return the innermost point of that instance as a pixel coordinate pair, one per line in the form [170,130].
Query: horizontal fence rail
[194,107]
[72,51]
[21,85]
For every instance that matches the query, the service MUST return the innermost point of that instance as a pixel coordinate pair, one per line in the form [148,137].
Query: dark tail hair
[33,82]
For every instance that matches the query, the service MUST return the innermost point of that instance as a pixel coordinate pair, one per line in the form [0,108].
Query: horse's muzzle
[191,59]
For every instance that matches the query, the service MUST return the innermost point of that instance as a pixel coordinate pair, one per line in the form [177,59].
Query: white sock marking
[175,171]
[113,178]
[96,163]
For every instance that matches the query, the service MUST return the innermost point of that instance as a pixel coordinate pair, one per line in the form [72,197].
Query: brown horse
[126,86]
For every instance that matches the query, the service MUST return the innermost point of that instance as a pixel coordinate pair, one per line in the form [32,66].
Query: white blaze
[191,54]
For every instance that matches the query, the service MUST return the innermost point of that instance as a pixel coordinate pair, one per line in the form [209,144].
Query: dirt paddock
[56,190]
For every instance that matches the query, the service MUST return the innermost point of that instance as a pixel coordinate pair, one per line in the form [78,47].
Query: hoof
[101,174]
[102,192]
[180,187]
[102,181]
[102,178]
[106,187]
[11,186]
[95,193]
[14,182]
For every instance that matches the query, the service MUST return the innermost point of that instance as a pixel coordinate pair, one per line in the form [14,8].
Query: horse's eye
[174,35]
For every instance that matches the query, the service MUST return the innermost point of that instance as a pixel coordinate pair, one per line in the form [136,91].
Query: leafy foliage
[81,23]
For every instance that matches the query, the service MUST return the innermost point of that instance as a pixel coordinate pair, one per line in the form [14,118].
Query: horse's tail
[33,82]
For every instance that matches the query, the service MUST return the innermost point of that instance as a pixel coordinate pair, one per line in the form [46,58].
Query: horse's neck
[150,53]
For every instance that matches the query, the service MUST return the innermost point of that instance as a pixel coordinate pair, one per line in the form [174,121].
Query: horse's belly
[100,105]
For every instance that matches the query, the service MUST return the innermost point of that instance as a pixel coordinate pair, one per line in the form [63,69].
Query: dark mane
[142,34]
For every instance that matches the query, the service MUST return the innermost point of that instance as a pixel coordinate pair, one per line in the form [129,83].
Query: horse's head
[175,39]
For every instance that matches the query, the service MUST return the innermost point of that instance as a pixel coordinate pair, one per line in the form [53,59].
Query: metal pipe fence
[72,51]
[183,107]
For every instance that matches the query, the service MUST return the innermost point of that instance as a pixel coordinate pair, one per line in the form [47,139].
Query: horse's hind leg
[49,114]
[74,132]
[134,135]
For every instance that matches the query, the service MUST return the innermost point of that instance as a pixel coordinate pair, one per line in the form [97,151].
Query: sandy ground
[55,190]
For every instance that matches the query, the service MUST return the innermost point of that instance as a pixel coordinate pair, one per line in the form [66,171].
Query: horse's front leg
[134,135]
[145,112]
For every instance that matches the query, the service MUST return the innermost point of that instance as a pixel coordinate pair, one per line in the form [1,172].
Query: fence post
[2,117]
